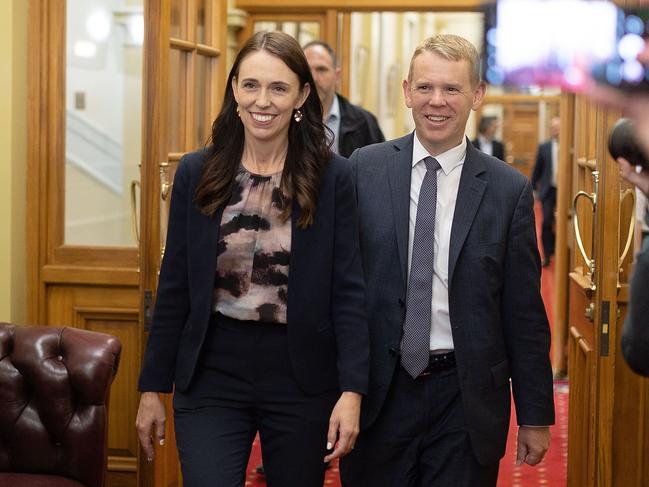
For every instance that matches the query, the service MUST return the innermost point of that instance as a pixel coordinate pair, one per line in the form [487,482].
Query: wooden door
[116,95]
[521,135]
[184,80]
[323,23]
[607,433]
[304,27]
[525,124]
[79,171]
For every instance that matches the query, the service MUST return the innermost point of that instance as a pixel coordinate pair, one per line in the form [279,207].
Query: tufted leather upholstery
[54,387]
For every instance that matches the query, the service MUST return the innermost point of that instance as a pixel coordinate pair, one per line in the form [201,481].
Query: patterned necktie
[415,344]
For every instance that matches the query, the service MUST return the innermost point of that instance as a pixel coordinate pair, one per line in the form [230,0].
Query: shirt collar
[447,160]
[335,110]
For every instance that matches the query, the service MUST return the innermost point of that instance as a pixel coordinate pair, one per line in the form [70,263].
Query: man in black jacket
[352,126]
[485,141]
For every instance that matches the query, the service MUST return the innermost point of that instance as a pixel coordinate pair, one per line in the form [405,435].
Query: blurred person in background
[544,181]
[352,126]
[486,141]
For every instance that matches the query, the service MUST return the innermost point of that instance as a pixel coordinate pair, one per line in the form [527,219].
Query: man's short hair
[485,122]
[326,47]
[453,48]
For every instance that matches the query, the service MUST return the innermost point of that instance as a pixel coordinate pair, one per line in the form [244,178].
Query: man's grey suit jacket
[499,326]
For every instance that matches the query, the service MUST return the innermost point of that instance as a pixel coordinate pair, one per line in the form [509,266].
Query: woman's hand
[150,412]
[344,425]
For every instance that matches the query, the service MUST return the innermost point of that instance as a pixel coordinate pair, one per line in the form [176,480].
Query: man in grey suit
[453,293]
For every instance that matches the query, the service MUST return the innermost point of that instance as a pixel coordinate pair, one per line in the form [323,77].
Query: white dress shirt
[486,145]
[332,120]
[448,182]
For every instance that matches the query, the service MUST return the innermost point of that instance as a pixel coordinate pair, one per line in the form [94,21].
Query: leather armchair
[54,388]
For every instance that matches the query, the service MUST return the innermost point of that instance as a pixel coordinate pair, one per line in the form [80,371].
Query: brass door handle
[629,238]
[135,226]
[165,183]
[575,221]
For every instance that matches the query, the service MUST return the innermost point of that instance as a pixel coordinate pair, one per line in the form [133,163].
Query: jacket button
[392,351]
[402,303]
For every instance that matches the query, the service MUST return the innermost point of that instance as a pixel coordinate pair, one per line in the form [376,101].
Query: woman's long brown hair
[308,150]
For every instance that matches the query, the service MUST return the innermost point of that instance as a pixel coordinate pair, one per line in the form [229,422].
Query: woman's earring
[238,112]
[297,116]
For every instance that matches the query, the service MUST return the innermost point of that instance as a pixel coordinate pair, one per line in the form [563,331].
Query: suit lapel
[399,173]
[469,196]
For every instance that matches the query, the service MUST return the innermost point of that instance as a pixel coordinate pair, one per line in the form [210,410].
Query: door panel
[603,450]
[304,27]
[78,149]
[521,134]
[581,428]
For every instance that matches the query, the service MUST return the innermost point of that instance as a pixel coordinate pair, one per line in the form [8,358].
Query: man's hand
[150,412]
[533,442]
[629,173]
[344,425]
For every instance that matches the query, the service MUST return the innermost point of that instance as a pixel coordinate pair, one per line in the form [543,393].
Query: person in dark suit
[351,125]
[485,141]
[635,332]
[452,272]
[259,324]
[544,181]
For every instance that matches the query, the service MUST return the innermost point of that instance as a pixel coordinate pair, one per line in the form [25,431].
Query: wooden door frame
[92,287]
[617,399]
[50,260]
[155,150]
[563,230]
[331,10]
[361,5]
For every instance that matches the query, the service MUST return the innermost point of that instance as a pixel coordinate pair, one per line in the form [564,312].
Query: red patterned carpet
[551,472]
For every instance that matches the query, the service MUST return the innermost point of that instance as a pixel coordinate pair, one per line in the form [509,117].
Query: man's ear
[478,95]
[406,93]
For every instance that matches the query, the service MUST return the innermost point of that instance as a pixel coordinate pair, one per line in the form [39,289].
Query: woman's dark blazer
[326,321]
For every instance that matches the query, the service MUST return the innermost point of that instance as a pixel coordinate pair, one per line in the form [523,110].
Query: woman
[259,324]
